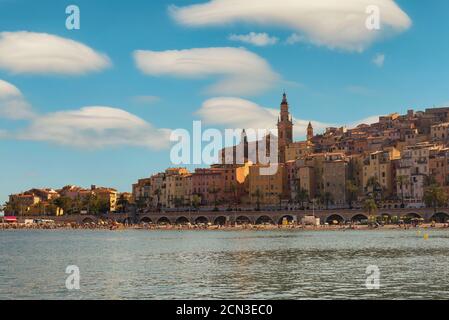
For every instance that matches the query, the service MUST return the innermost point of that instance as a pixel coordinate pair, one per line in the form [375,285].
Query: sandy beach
[114,226]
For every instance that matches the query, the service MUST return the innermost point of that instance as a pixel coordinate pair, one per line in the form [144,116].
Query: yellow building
[335,175]
[440,132]
[297,150]
[379,165]
[108,195]
[307,182]
[175,188]
[266,189]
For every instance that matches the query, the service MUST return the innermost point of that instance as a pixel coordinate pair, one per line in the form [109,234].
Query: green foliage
[370,207]
[351,192]
[302,196]
[435,196]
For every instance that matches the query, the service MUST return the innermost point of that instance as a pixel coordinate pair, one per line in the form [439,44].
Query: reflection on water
[223,265]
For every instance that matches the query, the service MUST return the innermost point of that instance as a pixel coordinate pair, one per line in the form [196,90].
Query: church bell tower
[285,128]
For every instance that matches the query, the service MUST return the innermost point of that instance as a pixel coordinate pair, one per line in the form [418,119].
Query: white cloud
[89,127]
[295,38]
[379,60]
[240,71]
[368,120]
[335,24]
[240,113]
[12,103]
[95,127]
[257,39]
[41,53]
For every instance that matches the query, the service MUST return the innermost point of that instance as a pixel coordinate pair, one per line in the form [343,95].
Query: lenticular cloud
[336,24]
[238,70]
[42,53]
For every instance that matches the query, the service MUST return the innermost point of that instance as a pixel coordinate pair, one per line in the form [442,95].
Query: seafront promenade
[228,218]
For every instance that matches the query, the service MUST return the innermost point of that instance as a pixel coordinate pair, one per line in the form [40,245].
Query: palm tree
[234,190]
[402,181]
[376,187]
[435,196]
[214,192]
[370,207]
[158,193]
[302,196]
[141,203]
[280,200]
[178,202]
[351,192]
[196,200]
[327,198]
[258,194]
[65,203]
[12,207]
[76,205]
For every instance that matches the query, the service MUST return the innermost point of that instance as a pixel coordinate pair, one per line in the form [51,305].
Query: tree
[302,196]
[214,192]
[370,207]
[351,192]
[122,203]
[103,206]
[233,190]
[196,201]
[12,207]
[94,205]
[65,203]
[178,202]
[258,194]
[435,196]
[158,193]
[280,200]
[375,187]
[327,198]
[402,181]
[141,203]
[77,204]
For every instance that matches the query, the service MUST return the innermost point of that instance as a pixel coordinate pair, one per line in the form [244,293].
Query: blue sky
[327,81]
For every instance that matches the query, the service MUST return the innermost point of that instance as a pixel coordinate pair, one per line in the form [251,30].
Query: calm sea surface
[224,265]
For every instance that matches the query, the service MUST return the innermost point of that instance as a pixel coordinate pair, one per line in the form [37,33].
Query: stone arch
[359,218]
[289,218]
[243,220]
[88,220]
[412,215]
[201,220]
[127,220]
[182,220]
[440,217]
[335,217]
[146,220]
[163,220]
[220,221]
[264,220]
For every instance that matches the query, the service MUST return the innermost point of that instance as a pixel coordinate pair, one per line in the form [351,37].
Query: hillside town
[401,161]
